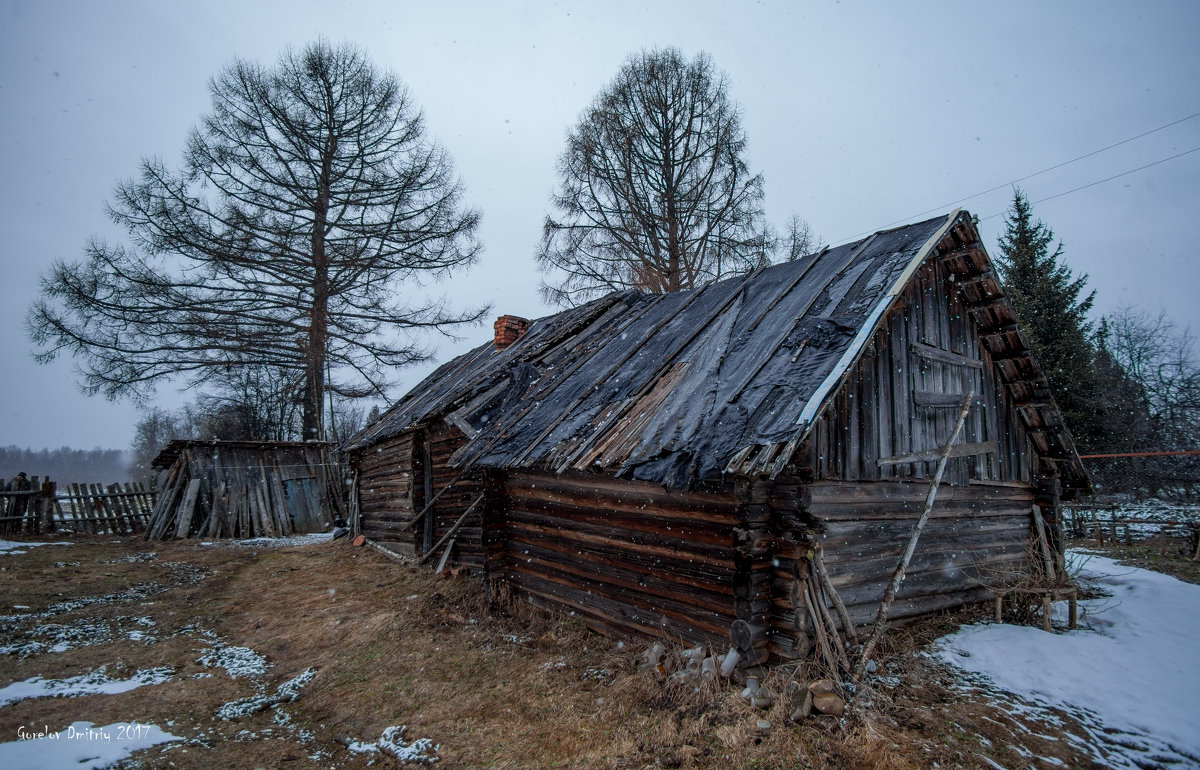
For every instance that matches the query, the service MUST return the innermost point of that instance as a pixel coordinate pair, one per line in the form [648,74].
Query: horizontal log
[638,521]
[621,539]
[845,536]
[643,615]
[917,606]
[598,487]
[912,491]
[615,628]
[616,553]
[384,525]
[938,573]
[621,585]
[682,575]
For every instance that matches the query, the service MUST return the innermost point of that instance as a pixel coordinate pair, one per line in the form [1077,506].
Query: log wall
[977,539]
[628,558]
[385,492]
[397,477]
[442,442]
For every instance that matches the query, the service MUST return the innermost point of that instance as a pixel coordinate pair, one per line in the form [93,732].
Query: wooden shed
[671,465]
[244,489]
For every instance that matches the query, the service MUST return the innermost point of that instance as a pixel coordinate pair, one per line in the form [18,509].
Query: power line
[1101,181]
[944,206]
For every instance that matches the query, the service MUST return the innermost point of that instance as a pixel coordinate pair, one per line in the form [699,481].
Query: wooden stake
[835,639]
[409,524]
[898,576]
[822,639]
[827,583]
[445,555]
[1039,529]
[451,532]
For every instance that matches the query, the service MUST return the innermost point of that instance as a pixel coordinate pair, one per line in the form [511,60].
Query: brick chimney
[509,329]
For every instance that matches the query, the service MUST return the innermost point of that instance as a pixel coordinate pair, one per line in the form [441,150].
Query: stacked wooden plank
[246,489]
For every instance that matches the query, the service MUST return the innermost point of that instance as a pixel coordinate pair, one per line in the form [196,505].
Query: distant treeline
[66,465]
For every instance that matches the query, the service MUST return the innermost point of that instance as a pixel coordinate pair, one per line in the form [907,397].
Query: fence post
[49,493]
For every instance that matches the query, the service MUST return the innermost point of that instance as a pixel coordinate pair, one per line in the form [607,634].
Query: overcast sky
[860,115]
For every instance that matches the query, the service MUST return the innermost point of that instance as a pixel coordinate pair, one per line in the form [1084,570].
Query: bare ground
[390,645]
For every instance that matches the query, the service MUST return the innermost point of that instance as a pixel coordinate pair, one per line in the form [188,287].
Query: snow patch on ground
[81,745]
[281,542]
[91,683]
[1127,674]
[285,693]
[237,661]
[420,751]
[14,548]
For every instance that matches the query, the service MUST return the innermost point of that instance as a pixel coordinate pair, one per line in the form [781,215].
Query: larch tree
[309,211]
[654,191]
[1052,309]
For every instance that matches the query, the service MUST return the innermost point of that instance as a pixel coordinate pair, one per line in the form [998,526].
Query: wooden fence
[1114,524]
[115,509]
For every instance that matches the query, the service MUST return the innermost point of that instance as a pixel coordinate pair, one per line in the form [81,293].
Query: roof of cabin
[677,387]
[176,446]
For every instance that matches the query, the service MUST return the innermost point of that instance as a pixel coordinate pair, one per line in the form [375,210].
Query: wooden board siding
[899,398]
[628,558]
[385,492]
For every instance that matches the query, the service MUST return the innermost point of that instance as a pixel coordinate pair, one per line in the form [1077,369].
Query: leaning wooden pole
[898,576]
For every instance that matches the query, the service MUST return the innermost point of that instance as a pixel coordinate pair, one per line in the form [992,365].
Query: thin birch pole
[827,582]
[898,576]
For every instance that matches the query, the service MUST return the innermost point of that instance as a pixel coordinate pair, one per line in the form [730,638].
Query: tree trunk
[312,424]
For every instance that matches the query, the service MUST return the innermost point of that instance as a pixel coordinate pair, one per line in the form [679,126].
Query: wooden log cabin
[670,465]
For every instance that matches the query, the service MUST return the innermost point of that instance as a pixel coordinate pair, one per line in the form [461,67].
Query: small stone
[828,703]
[763,699]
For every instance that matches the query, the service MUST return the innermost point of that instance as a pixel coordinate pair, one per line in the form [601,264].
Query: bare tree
[654,191]
[150,435]
[309,208]
[1161,358]
[1154,404]
[798,240]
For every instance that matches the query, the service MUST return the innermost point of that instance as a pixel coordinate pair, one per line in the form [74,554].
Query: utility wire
[1102,181]
[944,206]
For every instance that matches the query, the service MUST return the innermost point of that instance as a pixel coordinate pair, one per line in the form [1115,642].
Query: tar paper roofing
[676,387]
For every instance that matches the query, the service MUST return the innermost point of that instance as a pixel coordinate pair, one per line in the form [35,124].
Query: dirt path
[306,656]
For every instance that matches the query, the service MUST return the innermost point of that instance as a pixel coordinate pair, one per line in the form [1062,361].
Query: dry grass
[1170,556]
[493,683]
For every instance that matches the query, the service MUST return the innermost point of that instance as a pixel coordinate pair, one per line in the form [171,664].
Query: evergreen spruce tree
[1052,310]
